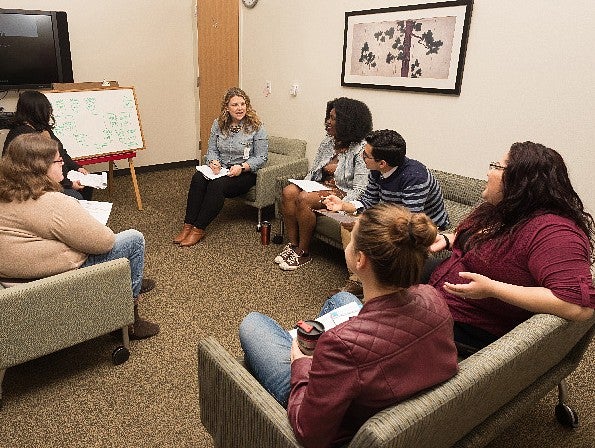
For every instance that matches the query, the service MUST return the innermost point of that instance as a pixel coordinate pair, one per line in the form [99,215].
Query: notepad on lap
[98,210]
[208,172]
[335,317]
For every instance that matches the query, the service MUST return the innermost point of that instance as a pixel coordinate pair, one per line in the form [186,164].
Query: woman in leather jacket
[401,341]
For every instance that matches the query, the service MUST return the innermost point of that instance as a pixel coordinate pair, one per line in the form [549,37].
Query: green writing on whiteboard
[94,122]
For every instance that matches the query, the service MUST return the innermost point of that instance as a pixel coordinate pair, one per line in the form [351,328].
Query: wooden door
[218,58]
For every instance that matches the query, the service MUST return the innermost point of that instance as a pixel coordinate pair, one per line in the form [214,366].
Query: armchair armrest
[280,183]
[234,407]
[46,315]
[266,179]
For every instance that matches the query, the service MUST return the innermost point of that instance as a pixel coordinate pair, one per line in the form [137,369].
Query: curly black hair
[535,180]
[354,119]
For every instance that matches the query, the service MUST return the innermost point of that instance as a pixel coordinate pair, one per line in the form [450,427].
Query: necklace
[235,129]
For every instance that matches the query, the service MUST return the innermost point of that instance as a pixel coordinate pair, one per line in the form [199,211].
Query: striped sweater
[411,185]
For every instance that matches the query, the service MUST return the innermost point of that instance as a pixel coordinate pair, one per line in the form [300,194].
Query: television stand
[6,119]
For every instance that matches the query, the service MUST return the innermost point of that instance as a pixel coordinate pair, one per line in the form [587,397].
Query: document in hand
[335,317]
[89,180]
[208,172]
[309,185]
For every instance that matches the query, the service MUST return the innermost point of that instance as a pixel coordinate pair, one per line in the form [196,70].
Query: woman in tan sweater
[44,232]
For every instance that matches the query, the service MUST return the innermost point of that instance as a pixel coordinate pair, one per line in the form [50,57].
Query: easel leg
[110,178]
[139,201]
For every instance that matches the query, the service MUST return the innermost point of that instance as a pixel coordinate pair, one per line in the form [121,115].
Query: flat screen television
[34,49]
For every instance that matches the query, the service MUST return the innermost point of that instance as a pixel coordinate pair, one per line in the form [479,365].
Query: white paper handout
[208,172]
[89,180]
[335,317]
[308,185]
[98,210]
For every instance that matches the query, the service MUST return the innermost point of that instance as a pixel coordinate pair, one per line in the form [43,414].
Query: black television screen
[34,49]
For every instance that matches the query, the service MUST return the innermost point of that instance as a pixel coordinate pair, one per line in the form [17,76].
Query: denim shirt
[229,149]
[351,175]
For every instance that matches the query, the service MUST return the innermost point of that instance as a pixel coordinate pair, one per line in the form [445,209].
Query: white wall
[528,76]
[148,44]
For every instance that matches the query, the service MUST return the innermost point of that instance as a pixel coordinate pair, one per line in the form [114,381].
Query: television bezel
[61,48]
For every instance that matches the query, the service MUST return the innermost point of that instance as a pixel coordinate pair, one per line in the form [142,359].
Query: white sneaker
[287,250]
[295,261]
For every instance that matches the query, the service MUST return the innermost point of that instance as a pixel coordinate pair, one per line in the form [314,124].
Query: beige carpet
[77,398]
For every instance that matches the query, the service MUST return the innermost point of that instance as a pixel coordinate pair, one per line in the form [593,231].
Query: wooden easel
[110,157]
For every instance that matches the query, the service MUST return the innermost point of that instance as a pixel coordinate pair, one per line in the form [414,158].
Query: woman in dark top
[527,249]
[34,114]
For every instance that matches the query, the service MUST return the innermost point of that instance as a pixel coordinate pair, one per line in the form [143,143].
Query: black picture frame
[418,48]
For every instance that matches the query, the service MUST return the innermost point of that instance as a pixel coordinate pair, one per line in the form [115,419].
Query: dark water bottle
[265,233]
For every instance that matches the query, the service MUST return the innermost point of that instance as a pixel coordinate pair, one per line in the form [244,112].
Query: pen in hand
[215,166]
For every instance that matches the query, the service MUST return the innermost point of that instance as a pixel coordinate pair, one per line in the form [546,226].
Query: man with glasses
[393,178]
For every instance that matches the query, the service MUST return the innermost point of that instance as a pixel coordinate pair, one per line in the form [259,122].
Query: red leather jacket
[396,346]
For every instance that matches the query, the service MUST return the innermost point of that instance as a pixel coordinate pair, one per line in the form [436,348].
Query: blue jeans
[129,244]
[267,348]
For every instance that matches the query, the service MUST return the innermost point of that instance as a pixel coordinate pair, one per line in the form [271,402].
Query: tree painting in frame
[417,47]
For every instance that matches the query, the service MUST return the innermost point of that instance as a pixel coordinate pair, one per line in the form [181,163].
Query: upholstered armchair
[287,158]
[493,388]
[47,315]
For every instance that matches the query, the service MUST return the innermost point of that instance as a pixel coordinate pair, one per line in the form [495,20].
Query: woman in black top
[34,114]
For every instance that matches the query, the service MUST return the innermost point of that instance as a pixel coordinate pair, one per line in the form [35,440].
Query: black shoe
[146,285]
[142,328]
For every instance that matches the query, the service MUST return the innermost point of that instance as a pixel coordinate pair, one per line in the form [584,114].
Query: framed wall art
[417,47]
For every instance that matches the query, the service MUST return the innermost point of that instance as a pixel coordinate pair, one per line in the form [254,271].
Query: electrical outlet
[293,91]
[269,87]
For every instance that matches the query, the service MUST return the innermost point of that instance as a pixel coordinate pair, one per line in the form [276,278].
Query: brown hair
[24,168]
[535,181]
[396,242]
[251,122]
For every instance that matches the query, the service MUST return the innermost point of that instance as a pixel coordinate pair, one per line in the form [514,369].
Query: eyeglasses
[366,156]
[60,160]
[497,166]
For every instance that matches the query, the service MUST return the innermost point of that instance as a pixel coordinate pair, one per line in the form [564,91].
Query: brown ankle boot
[183,234]
[193,237]
[141,328]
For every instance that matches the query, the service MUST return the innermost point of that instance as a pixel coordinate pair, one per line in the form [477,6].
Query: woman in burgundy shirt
[527,249]
[401,341]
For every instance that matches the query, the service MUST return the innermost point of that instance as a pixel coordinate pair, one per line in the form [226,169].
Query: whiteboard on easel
[96,122]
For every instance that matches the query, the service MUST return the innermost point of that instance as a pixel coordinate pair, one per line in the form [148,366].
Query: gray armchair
[493,388]
[47,315]
[287,157]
